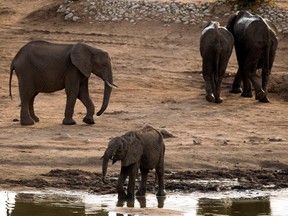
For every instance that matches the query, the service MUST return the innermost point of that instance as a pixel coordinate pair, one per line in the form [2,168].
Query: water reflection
[234,207]
[82,204]
[142,202]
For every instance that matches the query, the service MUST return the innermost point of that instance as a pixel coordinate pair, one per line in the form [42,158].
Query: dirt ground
[158,71]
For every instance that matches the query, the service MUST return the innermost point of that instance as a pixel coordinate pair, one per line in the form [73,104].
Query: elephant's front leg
[86,100]
[132,178]
[142,189]
[120,183]
[72,91]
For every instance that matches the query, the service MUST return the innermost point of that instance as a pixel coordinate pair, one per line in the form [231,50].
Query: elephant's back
[153,147]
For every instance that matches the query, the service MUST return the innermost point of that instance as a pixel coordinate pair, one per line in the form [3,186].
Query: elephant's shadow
[142,202]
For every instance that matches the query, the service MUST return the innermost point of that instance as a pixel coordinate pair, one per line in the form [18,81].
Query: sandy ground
[158,71]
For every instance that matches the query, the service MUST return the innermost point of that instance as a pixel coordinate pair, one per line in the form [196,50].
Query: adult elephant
[216,45]
[143,148]
[255,44]
[48,67]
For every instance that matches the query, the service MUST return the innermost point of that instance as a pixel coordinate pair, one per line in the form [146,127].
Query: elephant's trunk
[104,167]
[107,93]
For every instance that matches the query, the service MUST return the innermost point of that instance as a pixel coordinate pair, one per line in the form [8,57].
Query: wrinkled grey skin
[145,149]
[47,67]
[216,45]
[255,44]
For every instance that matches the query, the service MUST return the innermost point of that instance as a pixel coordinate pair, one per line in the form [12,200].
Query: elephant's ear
[134,150]
[81,58]
[231,22]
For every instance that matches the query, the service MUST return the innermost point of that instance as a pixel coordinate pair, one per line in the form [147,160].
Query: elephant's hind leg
[25,118]
[31,109]
[142,189]
[160,175]
[26,97]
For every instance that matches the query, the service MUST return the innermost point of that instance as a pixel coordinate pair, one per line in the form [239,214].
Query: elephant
[142,149]
[255,41]
[216,45]
[47,67]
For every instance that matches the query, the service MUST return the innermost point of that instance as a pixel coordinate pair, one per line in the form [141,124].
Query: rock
[63,136]
[69,16]
[275,139]
[197,141]
[167,11]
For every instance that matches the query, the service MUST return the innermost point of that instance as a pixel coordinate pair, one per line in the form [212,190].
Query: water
[69,203]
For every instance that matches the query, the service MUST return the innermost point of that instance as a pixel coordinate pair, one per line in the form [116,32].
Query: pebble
[168,12]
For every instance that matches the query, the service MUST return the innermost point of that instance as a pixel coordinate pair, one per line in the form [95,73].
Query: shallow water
[66,203]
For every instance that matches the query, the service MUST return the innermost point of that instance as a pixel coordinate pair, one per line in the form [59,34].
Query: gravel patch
[168,12]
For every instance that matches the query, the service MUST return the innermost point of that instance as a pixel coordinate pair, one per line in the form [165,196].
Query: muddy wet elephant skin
[216,45]
[255,43]
[142,149]
[46,67]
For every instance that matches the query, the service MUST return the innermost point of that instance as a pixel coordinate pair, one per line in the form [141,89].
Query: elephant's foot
[88,120]
[27,121]
[260,95]
[35,118]
[210,98]
[161,193]
[218,100]
[247,94]
[68,121]
[235,90]
[264,100]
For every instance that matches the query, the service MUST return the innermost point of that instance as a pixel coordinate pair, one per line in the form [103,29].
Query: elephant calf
[216,45]
[143,148]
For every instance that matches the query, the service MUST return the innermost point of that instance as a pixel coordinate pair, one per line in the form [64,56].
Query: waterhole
[70,203]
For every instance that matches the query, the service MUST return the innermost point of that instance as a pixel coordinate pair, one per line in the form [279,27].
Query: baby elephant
[216,45]
[144,148]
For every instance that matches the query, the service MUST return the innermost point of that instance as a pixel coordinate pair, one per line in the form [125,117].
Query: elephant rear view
[255,44]
[143,148]
[46,67]
[216,45]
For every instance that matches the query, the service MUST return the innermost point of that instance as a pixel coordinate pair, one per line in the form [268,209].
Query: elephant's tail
[10,79]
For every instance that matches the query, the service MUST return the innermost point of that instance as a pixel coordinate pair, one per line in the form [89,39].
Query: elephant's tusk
[111,85]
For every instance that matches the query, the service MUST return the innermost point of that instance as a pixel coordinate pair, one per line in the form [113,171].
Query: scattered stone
[87,141]
[197,141]
[168,12]
[63,136]
[275,139]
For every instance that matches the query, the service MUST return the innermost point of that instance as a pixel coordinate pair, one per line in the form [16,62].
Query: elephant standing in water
[47,67]
[143,148]
[216,45]
[255,44]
